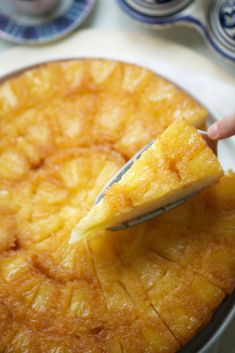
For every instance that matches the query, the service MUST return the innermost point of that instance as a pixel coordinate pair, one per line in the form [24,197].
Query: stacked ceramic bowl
[215,19]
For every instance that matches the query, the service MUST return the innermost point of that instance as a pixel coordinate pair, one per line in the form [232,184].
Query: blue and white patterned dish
[215,19]
[18,28]
[158,8]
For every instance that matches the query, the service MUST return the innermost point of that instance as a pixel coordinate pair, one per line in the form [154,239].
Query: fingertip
[213,131]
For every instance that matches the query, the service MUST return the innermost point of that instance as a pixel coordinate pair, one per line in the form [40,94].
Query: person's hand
[222,129]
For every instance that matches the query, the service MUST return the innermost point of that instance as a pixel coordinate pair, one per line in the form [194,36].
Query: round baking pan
[211,333]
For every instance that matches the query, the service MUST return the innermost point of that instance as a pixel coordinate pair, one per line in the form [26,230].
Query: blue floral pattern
[227,18]
[58,27]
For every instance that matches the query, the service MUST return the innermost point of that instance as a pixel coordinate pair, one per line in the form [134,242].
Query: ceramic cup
[35,7]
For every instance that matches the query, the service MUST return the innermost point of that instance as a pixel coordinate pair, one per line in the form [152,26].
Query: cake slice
[179,163]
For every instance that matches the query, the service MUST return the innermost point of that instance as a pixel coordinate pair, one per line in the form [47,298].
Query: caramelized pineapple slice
[34,146]
[59,259]
[105,74]
[51,200]
[76,306]
[33,87]
[166,172]
[58,206]
[8,98]
[166,281]
[125,300]
[183,300]
[13,166]
[217,261]
[220,202]
[17,271]
[189,307]
[28,291]
[168,103]
[75,89]
[114,115]
[208,251]
[200,234]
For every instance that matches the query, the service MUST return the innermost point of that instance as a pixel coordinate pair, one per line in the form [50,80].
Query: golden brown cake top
[65,129]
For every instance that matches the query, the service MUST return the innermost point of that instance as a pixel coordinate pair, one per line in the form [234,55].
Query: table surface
[107,15]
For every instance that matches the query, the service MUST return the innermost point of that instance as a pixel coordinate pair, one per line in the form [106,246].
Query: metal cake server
[148,216]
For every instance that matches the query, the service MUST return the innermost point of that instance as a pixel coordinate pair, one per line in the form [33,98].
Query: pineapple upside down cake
[164,173]
[65,129]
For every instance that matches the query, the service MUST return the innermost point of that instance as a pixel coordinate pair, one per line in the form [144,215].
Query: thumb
[222,129]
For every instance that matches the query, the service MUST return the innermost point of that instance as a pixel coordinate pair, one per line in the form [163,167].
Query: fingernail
[213,131]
